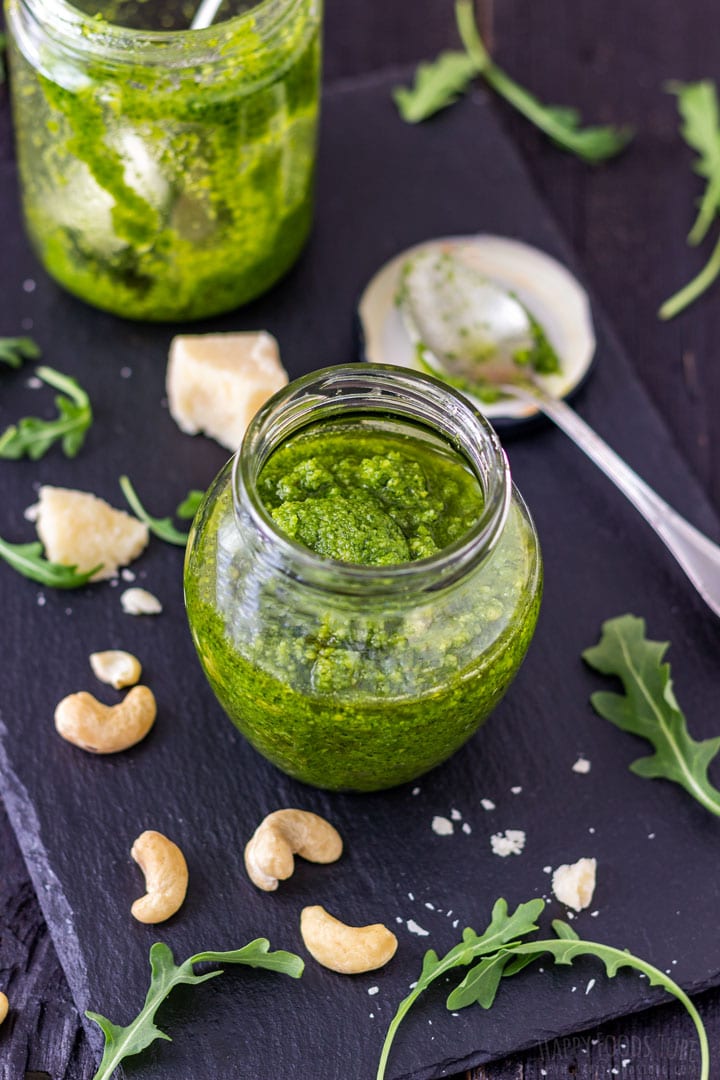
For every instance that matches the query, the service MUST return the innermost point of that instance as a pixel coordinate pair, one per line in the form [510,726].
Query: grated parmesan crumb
[442,826]
[582,765]
[140,602]
[511,842]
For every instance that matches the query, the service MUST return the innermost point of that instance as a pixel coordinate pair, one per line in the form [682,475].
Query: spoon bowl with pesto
[481,339]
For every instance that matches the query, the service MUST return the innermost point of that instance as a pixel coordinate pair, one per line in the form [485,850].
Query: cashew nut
[104,729]
[4,1006]
[284,833]
[115,667]
[166,877]
[347,949]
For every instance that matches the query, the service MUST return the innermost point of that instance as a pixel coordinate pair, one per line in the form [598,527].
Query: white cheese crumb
[33,383]
[591,830]
[467,829]
[582,765]
[373,990]
[41,601]
[411,896]
[455,923]
[516,790]
[416,791]
[547,869]
[79,529]
[487,804]
[125,372]
[442,826]
[415,929]
[29,285]
[31,512]
[429,906]
[589,986]
[625,1062]
[574,883]
[511,842]
[651,836]
[456,815]
[217,382]
[594,914]
[140,602]
[127,575]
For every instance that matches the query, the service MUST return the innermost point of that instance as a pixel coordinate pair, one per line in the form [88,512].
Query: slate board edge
[21,811]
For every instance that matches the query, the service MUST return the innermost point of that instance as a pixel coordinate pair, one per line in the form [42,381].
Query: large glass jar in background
[166,173]
[355,677]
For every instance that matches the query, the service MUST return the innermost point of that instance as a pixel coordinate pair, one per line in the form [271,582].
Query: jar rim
[87,34]
[392,391]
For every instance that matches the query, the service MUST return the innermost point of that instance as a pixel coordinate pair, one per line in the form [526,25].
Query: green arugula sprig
[649,708]
[503,929]
[160,527]
[14,351]
[503,958]
[124,1042]
[32,437]
[28,560]
[700,128]
[440,82]
[190,504]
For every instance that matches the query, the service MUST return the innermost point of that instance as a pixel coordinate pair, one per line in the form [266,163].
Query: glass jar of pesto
[363,580]
[166,172]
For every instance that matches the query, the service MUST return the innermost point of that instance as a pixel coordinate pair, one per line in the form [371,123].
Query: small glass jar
[353,677]
[166,173]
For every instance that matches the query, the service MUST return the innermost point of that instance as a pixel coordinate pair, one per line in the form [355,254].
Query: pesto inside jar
[166,173]
[354,691]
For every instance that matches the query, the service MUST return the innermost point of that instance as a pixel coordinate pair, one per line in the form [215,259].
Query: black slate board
[382,185]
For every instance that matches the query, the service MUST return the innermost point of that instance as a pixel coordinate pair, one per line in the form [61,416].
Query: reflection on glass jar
[167,173]
[350,676]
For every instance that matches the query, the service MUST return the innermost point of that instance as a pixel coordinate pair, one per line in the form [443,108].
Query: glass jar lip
[87,34]
[468,431]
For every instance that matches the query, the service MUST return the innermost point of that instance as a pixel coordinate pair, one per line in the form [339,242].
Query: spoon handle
[697,554]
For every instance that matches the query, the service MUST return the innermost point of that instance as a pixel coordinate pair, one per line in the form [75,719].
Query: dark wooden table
[627,223]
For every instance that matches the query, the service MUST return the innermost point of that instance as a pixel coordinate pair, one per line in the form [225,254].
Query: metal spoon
[470,330]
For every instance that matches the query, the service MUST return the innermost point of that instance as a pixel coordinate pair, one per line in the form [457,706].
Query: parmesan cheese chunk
[79,529]
[217,382]
[574,884]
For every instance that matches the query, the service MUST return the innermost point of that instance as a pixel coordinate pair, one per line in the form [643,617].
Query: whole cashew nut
[166,877]
[115,667]
[4,1006]
[104,729]
[347,949]
[284,833]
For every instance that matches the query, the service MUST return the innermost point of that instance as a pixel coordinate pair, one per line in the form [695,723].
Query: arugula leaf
[15,350]
[700,115]
[161,527]
[561,124]
[190,504]
[32,437]
[698,108]
[649,708]
[124,1042]
[503,929]
[482,982]
[437,84]
[28,560]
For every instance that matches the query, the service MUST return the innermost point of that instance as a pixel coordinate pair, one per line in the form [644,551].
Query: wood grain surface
[627,224]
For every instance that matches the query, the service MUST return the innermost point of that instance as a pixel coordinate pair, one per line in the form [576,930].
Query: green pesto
[160,193]
[368,497]
[358,692]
